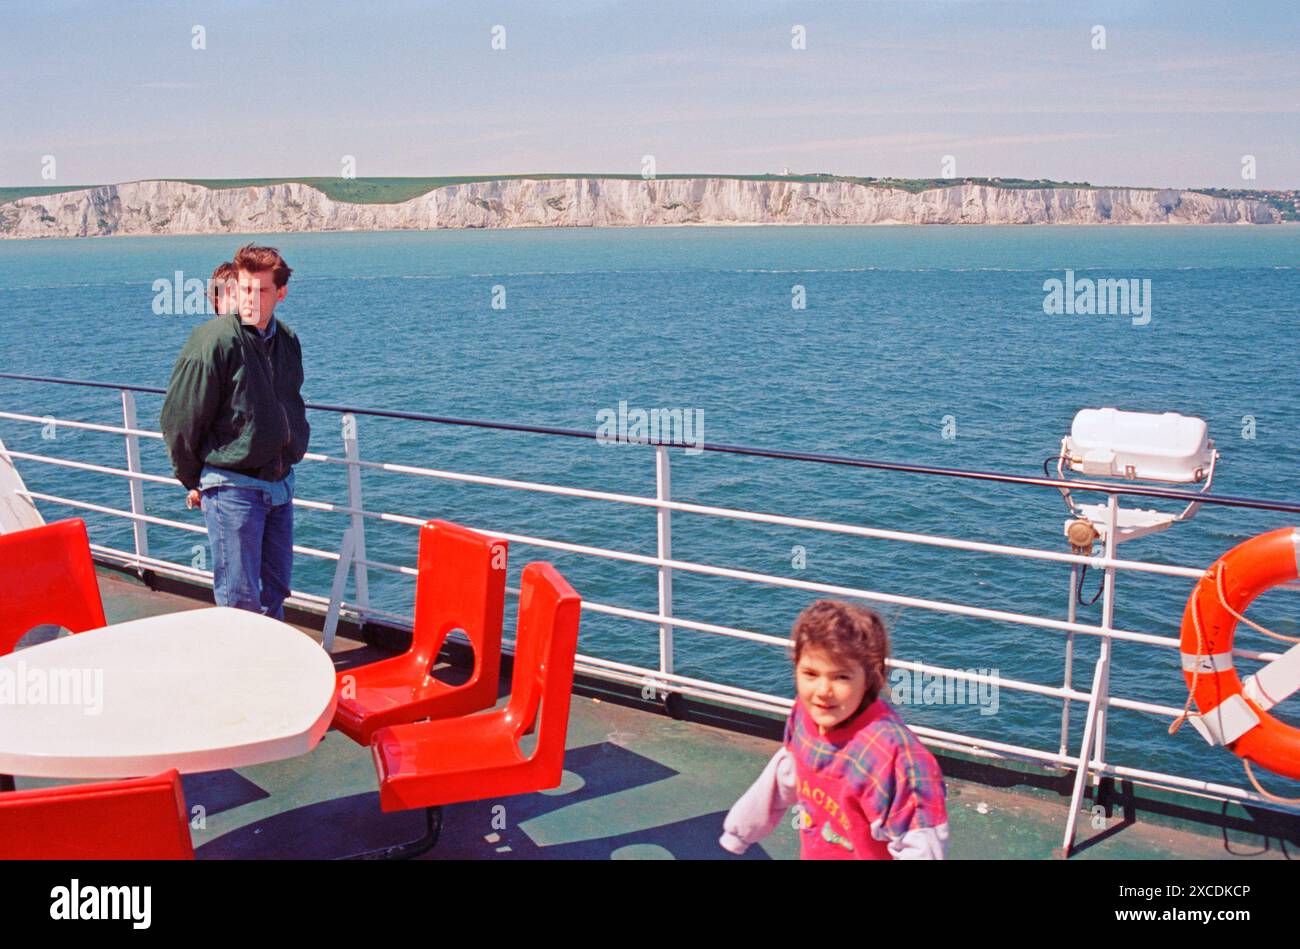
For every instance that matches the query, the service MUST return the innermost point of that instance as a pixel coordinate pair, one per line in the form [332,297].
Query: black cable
[1078,593]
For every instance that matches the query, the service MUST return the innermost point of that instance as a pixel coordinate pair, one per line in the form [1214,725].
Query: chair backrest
[47,576]
[545,646]
[138,819]
[461,584]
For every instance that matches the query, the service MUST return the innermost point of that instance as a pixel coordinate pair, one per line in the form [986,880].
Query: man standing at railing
[235,425]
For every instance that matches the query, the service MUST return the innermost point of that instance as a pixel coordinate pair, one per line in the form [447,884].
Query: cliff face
[173,207]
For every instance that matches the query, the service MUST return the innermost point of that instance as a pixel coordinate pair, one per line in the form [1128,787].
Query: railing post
[663,492]
[1068,678]
[1107,623]
[1093,746]
[346,552]
[1081,775]
[139,527]
[358,528]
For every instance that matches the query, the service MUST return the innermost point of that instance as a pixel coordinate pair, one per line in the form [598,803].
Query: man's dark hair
[254,259]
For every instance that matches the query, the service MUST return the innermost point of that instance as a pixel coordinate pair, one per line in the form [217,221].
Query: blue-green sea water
[905,329]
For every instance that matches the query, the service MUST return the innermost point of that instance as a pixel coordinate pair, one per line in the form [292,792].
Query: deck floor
[637,785]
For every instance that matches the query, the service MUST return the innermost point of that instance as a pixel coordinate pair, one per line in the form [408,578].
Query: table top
[199,690]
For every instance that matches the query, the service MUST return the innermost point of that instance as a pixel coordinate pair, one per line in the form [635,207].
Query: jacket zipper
[270,366]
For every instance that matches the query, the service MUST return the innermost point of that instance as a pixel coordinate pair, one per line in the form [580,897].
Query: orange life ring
[1242,574]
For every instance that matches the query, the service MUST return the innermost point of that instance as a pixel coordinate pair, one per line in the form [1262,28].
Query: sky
[1179,95]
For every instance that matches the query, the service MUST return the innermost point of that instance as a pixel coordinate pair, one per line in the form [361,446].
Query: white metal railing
[1087,760]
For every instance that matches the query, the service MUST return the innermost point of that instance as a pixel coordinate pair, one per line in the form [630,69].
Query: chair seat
[377,698]
[462,759]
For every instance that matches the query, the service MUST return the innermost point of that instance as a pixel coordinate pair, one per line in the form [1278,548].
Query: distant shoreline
[656,227]
[173,207]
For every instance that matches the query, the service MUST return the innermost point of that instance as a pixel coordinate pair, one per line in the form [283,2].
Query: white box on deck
[1159,447]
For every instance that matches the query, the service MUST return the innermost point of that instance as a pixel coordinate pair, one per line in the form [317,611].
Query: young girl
[866,788]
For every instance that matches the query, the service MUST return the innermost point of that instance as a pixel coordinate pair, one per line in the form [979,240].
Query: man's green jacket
[235,401]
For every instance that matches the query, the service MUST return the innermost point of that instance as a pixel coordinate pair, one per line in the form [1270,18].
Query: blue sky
[1181,92]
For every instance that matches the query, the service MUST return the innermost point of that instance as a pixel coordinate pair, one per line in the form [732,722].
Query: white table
[199,690]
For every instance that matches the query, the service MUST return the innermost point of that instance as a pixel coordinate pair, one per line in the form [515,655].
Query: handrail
[815,457]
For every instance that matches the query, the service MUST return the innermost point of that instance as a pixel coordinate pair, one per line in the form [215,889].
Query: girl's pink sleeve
[761,808]
[915,821]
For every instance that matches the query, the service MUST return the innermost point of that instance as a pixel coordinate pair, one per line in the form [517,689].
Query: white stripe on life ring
[1218,662]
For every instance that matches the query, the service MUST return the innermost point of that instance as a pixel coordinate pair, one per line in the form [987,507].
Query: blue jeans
[252,548]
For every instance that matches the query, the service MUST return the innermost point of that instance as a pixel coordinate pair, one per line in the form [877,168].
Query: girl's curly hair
[850,634]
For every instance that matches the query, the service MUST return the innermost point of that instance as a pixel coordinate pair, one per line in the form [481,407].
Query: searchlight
[1111,444]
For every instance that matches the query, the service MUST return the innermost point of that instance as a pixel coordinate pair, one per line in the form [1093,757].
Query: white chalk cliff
[174,207]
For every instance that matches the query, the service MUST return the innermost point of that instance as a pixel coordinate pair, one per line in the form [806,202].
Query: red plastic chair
[138,819]
[428,764]
[461,584]
[47,576]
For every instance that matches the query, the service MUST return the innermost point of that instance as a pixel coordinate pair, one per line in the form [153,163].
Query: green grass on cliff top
[397,190]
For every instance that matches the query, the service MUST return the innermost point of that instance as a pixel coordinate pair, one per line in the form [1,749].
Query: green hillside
[397,190]
[13,194]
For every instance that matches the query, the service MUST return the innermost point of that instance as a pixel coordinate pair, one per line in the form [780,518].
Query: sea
[926,345]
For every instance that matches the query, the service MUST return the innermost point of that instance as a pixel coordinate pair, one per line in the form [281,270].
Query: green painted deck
[639,784]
